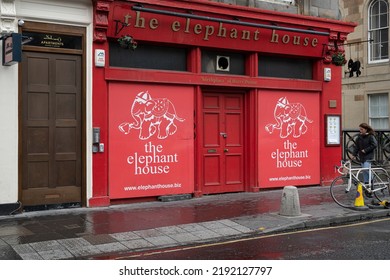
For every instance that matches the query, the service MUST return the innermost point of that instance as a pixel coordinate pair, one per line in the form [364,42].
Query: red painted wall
[100,120]
[331,94]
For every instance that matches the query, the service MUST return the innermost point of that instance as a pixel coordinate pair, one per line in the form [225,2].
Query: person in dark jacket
[364,148]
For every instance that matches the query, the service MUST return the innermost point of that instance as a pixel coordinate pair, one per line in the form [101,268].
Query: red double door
[222,166]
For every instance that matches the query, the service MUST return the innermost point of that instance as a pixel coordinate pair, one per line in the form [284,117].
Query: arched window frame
[378,31]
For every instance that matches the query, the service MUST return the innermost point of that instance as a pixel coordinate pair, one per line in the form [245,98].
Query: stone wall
[318,8]
[7,17]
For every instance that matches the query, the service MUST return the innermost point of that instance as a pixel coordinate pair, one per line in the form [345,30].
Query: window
[378,111]
[378,31]
[149,57]
[285,67]
[234,63]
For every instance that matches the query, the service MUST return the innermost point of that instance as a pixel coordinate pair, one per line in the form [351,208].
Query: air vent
[223,63]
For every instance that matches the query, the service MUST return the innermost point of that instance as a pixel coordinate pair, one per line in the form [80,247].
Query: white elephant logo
[152,115]
[290,118]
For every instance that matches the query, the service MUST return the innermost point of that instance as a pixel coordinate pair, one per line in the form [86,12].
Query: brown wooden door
[223,143]
[51,129]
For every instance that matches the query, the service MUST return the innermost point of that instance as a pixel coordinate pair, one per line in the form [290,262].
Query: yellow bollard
[384,203]
[359,201]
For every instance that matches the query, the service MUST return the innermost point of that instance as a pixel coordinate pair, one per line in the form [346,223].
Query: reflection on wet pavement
[77,222]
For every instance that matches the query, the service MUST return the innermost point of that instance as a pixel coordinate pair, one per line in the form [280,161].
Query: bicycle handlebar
[344,168]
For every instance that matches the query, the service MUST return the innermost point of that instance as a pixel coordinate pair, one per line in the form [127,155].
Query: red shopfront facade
[214,99]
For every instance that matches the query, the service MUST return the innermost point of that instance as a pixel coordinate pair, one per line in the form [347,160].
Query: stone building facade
[317,8]
[366,97]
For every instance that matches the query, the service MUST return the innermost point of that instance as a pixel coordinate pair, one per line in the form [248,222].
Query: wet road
[366,240]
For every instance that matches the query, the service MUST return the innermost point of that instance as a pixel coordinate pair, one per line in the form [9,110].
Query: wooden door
[223,143]
[51,129]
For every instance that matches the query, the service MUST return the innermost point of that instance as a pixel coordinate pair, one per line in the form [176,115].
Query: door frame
[63,30]
[248,131]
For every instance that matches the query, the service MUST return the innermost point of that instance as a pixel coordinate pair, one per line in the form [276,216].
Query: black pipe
[142,9]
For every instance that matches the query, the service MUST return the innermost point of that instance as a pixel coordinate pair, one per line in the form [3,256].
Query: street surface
[361,241]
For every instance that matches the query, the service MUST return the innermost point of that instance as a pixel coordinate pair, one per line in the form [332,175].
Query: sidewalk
[100,233]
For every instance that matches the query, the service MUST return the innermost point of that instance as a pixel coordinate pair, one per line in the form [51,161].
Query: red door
[223,143]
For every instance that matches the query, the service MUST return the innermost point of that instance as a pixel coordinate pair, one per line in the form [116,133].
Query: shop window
[379,110]
[378,31]
[223,62]
[283,67]
[149,57]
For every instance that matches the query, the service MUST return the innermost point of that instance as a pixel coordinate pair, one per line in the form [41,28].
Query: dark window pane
[383,20]
[282,67]
[374,22]
[375,9]
[383,7]
[149,57]
[385,51]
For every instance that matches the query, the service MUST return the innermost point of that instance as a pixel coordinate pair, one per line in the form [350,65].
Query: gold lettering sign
[207,31]
[52,41]
[59,41]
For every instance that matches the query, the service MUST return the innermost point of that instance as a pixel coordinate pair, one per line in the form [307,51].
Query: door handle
[223,134]
[226,150]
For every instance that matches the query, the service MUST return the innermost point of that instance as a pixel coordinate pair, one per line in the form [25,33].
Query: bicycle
[344,188]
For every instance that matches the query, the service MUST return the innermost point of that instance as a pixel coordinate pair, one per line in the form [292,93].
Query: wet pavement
[109,232]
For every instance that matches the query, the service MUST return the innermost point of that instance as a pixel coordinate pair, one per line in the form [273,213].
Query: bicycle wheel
[339,193]
[382,186]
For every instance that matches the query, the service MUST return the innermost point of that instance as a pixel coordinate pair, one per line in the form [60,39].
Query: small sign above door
[50,40]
